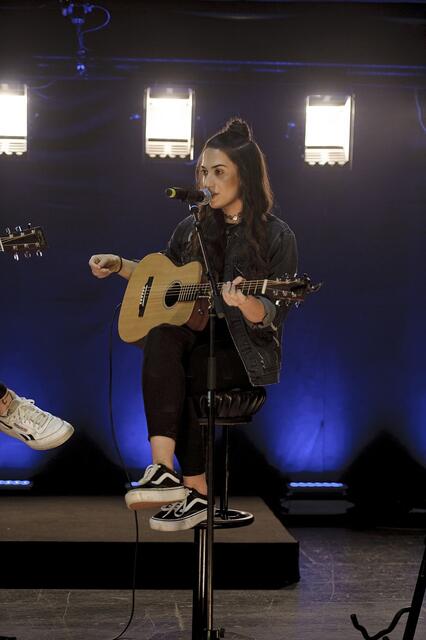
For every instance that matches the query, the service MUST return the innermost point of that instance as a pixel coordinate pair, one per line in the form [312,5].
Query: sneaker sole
[152,498]
[178,525]
[53,441]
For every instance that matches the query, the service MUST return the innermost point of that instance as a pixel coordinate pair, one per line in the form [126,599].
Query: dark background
[353,385]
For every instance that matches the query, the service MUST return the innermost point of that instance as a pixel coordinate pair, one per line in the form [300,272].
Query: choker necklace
[235,218]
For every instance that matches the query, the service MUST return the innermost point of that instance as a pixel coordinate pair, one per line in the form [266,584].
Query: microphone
[200,196]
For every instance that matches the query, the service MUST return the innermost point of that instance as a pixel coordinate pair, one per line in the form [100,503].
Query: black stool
[233,407]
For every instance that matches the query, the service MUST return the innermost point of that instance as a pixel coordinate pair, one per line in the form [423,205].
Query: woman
[244,241]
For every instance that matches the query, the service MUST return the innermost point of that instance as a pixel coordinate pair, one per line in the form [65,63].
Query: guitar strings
[247,284]
[160,297]
[189,290]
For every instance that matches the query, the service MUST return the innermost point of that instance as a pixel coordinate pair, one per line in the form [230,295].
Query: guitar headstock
[292,290]
[28,241]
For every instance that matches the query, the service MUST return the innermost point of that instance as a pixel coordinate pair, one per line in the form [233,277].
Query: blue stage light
[317,485]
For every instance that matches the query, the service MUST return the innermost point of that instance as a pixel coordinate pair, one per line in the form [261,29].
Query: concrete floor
[370,573]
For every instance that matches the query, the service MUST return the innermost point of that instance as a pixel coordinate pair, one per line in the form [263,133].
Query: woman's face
[220,176]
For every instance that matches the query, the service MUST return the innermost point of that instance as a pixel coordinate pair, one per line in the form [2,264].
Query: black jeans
[175,367]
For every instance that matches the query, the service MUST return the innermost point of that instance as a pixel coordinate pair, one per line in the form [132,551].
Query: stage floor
[89,542]
[27,518]
[370,573]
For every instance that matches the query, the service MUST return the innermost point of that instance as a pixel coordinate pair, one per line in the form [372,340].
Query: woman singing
[244,241]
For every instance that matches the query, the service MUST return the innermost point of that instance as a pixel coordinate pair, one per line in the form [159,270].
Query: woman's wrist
[253,309]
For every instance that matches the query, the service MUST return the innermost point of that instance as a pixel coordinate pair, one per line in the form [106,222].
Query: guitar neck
[191,292]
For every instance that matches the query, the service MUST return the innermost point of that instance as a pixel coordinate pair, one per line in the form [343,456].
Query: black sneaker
[181,515]
[159,485]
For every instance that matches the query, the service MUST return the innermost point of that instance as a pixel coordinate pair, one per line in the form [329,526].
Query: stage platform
[88,542]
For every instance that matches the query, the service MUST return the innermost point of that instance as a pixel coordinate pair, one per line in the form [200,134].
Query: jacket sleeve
[283,256]
[282,261]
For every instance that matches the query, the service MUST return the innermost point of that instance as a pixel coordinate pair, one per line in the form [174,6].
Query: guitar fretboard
[190,292]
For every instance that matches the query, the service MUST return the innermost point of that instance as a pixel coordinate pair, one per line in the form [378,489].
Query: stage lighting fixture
[13,119]
[329,129]
[169,117]
[310,490]
[15,484]
[316,485]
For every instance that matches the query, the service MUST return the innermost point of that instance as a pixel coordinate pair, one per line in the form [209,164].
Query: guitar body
[152,298]
[159,292]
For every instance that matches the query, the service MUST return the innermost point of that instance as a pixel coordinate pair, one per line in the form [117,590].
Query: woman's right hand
[103,265]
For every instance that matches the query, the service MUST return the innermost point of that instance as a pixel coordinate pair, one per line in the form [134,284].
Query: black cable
[111,416]
[99,26]
[126,473]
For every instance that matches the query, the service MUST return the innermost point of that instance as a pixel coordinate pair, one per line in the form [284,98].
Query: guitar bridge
[144,296]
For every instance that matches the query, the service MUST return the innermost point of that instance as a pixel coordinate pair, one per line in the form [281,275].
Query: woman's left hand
[234,297]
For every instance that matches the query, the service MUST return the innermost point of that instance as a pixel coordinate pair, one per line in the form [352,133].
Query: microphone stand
[202,617]
[206,581]
[202,620]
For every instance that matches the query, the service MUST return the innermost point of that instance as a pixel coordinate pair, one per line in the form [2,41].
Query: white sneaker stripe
[159,480]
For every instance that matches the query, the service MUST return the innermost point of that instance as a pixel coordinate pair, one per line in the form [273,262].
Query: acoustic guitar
[160,292]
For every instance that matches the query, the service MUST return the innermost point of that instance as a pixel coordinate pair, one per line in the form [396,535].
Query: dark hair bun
[238,127]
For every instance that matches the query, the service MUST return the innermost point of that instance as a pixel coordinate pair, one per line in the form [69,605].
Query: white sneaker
[37,428]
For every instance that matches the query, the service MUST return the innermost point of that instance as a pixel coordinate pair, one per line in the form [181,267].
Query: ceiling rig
[78,13]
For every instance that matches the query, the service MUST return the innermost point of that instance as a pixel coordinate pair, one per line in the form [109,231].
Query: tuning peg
[16,256]
[27,254]
[39,253]
[7,230]
[29,225]
[18,229]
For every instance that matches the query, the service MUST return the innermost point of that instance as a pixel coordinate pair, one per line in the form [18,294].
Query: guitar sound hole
[172,294]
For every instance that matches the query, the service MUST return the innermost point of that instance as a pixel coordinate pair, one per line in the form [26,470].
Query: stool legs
[226,517]
[225,486]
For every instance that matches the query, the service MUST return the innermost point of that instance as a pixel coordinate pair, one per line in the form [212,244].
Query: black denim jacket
[259,345]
